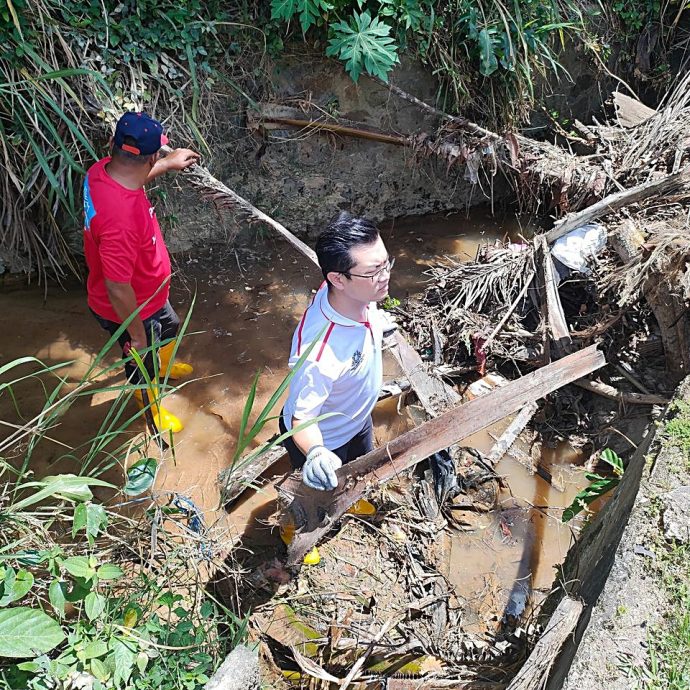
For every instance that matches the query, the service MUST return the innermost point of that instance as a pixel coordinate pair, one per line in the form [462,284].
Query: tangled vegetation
[70,68]
[102,579]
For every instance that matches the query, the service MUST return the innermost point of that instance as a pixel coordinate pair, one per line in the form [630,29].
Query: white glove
[319,469]
[388,322]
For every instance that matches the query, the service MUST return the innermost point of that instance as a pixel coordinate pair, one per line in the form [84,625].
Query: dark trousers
[360,444]
[163,325]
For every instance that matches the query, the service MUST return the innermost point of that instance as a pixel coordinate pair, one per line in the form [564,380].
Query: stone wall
[609,569]
[305,178]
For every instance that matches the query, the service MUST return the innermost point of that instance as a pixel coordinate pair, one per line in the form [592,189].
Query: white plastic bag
[579,245]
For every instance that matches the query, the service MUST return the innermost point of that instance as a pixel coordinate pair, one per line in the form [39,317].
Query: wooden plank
[234,481]
[558,328]
[434,394]
[509,436]
[629,111]
[535,671]
[314,512]
[612,202]
[614,394]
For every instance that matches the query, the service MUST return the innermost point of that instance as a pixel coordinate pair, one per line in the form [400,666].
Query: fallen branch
[552,311]
[535,671]
[315,512]
[614,394]
[612,202]
[508,314]
[509,436]
[292,117]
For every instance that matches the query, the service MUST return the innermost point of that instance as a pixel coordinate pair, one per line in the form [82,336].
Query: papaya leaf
[365,44]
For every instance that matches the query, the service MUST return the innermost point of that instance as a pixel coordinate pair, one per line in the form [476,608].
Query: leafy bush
[90,597]
[462,41]
[599,487]
[69,67]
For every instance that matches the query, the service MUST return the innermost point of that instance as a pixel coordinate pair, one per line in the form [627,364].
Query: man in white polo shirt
[344,371]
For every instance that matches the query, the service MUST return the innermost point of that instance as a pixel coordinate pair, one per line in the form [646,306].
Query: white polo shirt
[343,372]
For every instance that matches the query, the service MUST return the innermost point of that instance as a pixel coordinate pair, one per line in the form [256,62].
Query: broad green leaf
[79,519]
[94,605]
[142,662]
[123,657]
[96,520]
[56,594]
[284,9]
[26,632]
[19,586]
[79,566]
[108,571]
[488,63]
[66,486]
[94,649]
[140,476]
[364,44]
[611,457]
[99,670]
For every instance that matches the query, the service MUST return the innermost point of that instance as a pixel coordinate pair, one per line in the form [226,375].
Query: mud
[247,299]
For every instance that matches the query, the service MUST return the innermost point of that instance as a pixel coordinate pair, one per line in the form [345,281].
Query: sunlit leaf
[26,632]
[140,476]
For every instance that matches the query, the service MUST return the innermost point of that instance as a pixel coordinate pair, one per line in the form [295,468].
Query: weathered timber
[234,481]
[617,200]
[284,116]
[315,512]
[509,436]
[614,394]
[434,394]
[535,671]
[629,111]
[552,311]
[664,300]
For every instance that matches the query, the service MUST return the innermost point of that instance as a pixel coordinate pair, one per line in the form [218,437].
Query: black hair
[127,156]
[343,234]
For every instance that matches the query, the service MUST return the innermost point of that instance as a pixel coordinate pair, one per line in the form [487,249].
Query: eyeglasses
[374,276]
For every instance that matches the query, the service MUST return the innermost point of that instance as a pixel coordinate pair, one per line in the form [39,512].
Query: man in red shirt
[129,266]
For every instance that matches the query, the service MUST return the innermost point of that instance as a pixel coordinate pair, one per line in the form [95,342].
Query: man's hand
[319,469]
[177,159]
[180,159]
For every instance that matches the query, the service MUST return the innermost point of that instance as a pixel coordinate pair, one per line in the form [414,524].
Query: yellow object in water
[313,557]
[178,369]
[362,507]
[162,418]
[287,534]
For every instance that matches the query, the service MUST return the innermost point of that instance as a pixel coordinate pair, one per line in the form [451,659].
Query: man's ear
[337,280]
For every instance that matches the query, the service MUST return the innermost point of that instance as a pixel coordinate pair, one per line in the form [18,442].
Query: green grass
[668,664]
[678,429]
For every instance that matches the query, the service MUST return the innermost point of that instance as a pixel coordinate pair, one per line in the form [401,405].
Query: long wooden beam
[315,512]
[613,202]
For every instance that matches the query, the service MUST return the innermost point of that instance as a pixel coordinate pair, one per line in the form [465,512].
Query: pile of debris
[380,604]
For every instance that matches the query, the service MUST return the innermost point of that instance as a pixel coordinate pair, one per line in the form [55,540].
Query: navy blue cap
[144,130]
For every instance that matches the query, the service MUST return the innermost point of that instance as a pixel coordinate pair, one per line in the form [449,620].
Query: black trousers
[162,325]
[360,444]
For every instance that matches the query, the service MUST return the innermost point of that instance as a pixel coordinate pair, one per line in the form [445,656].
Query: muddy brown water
[248,301]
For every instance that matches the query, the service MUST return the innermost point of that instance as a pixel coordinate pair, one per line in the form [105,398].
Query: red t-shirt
[123,243]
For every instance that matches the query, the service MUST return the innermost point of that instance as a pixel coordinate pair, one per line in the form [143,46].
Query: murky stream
[248,301]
